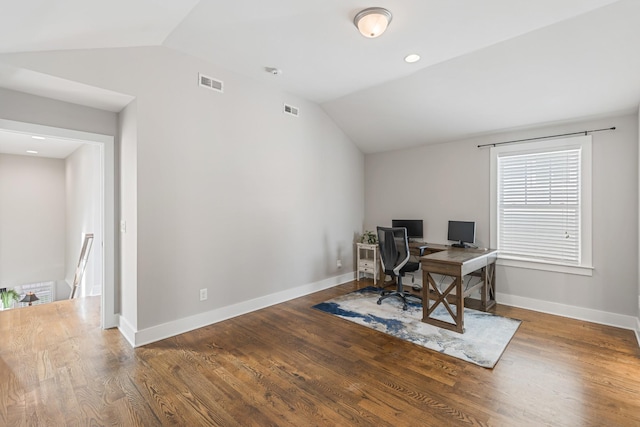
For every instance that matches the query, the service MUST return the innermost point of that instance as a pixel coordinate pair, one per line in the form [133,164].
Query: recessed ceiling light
[37,137]
[412,58]
[32,151]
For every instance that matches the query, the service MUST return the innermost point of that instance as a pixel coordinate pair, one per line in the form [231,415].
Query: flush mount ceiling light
[373,21]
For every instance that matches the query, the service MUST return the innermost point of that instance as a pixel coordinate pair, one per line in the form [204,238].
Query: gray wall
[84,215]
[27,108]
[128,290]
[451,181]
[32,220]
[232,195]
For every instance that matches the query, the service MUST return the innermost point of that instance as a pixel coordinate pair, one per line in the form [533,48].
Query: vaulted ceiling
[485,65]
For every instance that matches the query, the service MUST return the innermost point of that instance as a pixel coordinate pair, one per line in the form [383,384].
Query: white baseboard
[179,326]
[127,331]
[580,313]
[166,330]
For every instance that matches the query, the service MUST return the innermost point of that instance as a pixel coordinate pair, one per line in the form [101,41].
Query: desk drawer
[367,270]
[369,263]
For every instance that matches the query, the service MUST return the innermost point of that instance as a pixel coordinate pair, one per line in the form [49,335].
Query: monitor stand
[460,245]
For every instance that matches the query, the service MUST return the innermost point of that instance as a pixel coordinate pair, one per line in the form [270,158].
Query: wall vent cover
[210,83]
[290,109]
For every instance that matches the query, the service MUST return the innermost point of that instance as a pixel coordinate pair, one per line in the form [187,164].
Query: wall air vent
[210,83]
[289,109]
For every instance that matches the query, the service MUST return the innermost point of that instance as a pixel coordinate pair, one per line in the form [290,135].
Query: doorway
[105,244]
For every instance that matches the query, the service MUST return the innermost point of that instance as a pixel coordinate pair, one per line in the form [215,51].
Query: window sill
[509,261]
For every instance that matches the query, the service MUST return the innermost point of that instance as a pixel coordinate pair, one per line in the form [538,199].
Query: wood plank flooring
[291,365]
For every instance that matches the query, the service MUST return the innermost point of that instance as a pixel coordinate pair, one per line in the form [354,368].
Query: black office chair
[394,254]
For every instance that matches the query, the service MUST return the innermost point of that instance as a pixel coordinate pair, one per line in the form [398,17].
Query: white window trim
[584,142]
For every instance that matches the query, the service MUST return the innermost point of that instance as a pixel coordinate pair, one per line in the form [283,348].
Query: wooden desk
[431,248]
[456,263]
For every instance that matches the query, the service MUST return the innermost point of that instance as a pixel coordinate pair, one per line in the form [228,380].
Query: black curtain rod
[585,132]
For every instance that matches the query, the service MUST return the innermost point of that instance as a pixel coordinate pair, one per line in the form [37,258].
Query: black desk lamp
[30,297]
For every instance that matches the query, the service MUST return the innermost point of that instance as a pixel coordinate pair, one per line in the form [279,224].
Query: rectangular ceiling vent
[211,83]
[289,109]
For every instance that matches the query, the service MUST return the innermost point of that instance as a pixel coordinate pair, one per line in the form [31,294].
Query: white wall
[451,181]
[32,220]
[232,195]
[84,215]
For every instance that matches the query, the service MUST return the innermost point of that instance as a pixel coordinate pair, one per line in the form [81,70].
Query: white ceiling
[486,65]
[19,143]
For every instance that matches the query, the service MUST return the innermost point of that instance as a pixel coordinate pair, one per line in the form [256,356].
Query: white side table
[368,261]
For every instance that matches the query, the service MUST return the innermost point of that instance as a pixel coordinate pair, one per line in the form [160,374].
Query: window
[541,204]
[43,290]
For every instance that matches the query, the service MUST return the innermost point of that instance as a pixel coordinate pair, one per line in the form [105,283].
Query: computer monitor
[462,232]
[413,226]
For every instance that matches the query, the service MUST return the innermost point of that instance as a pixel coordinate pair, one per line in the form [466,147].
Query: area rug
[485,338]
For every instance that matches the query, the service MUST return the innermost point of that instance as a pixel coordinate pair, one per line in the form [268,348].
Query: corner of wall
[127,331]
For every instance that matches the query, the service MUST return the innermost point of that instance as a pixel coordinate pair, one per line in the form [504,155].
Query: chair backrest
[394,248]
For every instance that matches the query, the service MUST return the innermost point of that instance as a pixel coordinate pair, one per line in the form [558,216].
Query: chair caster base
[401,295]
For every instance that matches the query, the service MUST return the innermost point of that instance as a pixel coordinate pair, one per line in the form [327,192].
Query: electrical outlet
[203,294]
[339,263]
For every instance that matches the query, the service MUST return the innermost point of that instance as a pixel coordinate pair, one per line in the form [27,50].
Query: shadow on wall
[334,261]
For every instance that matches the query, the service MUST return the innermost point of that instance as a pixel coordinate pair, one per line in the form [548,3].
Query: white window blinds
[539,205]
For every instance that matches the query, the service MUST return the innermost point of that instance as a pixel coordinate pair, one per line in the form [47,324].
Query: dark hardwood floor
[291,365]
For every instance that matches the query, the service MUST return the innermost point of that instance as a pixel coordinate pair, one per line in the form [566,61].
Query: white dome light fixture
[373,21]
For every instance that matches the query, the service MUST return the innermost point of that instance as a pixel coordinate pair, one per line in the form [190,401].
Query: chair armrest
[422,248]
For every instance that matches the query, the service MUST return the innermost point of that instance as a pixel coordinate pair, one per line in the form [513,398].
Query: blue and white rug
[485,338]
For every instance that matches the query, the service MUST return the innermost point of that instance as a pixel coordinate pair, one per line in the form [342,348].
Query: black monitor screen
[413,226]
[462,231]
